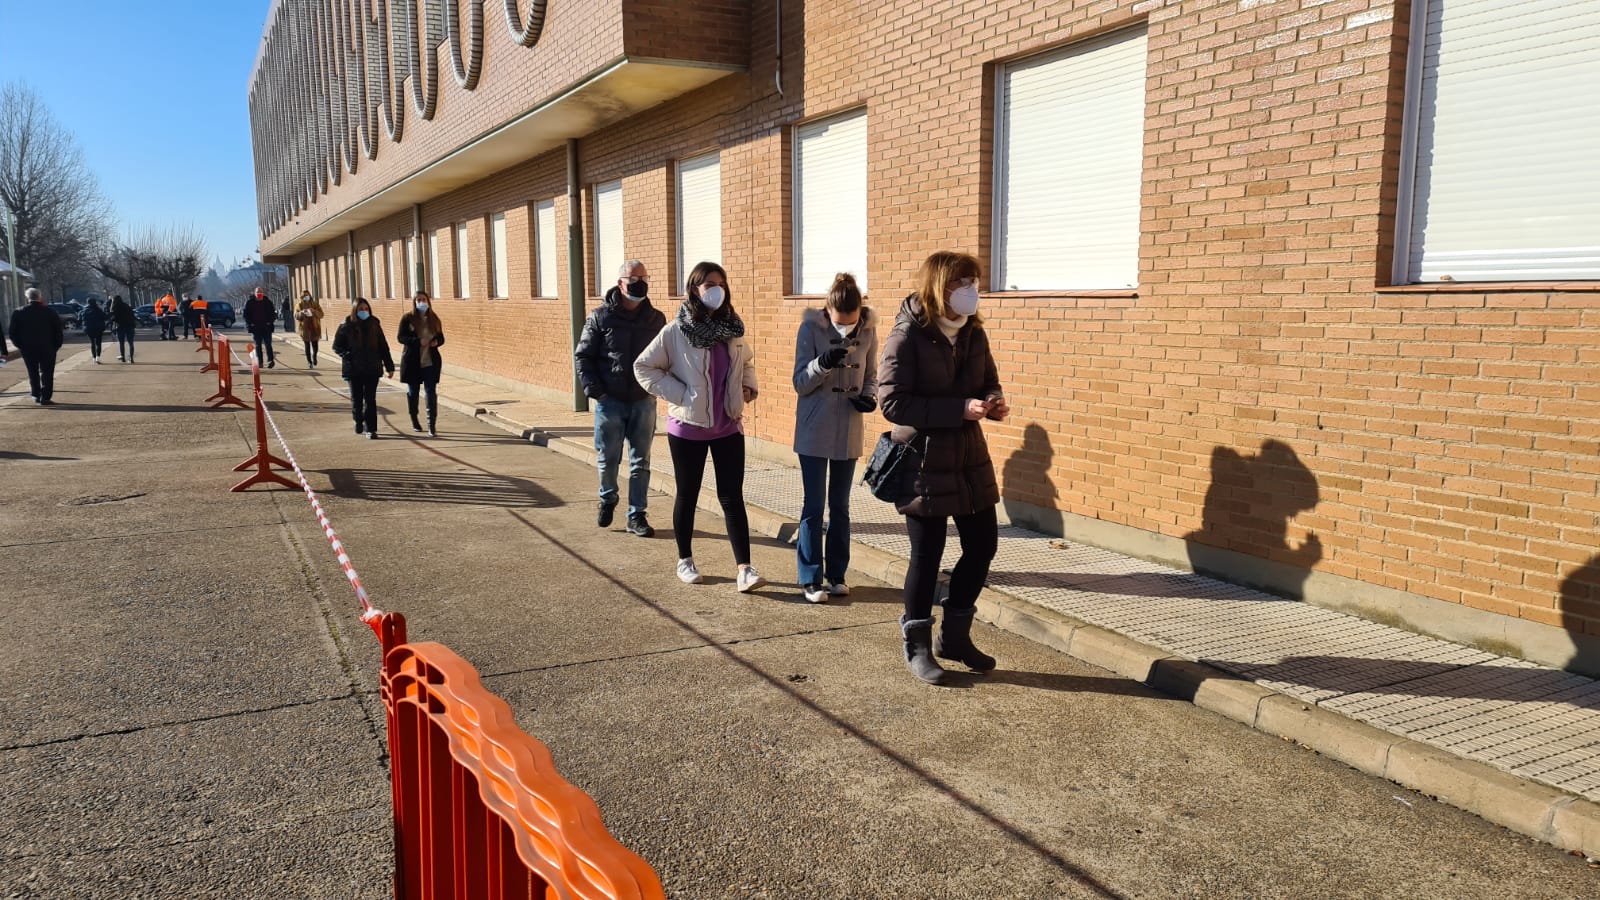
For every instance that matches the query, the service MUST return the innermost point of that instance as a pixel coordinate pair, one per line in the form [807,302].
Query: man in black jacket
[37,332]
[259,314]
[613,337]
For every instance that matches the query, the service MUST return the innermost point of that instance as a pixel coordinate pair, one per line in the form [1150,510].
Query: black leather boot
[955,641]
[411,407]
[919,659]
[433,414]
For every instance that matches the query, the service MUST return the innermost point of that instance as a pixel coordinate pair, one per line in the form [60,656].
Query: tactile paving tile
[1530,720]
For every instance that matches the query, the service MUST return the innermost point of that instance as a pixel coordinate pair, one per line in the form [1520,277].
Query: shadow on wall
[1247,511]
[1580,615]
[1029,468]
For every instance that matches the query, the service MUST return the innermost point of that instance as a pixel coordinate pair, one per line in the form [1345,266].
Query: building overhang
[621,89]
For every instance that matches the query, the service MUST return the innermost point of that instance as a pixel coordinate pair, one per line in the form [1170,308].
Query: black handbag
[892,470]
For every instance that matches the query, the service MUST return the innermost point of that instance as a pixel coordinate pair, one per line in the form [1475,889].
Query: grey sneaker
[607,512]
[687,573]
[639,525]
[749,579]
[838,589]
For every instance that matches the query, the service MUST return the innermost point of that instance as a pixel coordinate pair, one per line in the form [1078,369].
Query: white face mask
[964,300]
[844,330]
[422,307]
[712,297]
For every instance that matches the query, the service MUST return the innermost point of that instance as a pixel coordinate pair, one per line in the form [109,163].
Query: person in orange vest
[198,310]
[167,314]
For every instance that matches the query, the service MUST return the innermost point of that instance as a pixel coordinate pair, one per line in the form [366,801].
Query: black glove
[863,403]
[831,359]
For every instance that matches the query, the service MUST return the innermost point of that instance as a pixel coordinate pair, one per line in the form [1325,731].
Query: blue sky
[155,92]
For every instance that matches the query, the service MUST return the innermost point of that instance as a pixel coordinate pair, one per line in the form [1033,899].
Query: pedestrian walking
[836,376]
[702,366]
[421,335]
[309,319]
[286,313]
[614,336]
[259,316]
[94,325]
[123,321]
[37,332]
[198,309]
[937,383]
[167,315]
[365,351]
[187,314]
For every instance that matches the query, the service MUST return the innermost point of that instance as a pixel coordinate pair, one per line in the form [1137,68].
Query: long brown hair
[697,277]
[938,270]
[433,319]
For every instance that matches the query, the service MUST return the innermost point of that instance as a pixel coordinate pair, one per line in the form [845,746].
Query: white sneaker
[687,573]
[814,593]
[838,589]
[749,579]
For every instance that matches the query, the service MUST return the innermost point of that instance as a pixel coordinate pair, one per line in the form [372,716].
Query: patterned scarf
[710,330]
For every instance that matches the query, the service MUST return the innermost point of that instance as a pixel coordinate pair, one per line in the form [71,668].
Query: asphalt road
[187,699]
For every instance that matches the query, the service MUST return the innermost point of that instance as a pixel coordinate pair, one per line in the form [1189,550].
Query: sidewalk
[1513,742]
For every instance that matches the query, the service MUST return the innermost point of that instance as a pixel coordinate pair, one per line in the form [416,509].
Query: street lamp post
[11,257]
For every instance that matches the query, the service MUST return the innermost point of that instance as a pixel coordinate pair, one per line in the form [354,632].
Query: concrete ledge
[1538,811]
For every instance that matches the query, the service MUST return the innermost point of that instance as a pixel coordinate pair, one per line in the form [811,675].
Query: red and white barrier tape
[368,611]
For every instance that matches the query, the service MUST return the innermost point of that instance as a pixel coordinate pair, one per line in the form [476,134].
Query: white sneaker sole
[696,578]
[818,597]
[759,582]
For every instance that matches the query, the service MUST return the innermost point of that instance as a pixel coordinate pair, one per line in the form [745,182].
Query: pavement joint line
[1329,736]
[118,732]
[667,651]
[184,842]
[120,537]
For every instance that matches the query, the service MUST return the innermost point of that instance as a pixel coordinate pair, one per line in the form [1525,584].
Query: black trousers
[263,341]
[125,343]
[94,343]
[311,352]
[980,538]
[364,400]
[41,372]
[689,465]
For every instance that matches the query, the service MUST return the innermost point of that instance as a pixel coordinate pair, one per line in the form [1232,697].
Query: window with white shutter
[544,215]
[463,284]
[830,202]
[1069,154]
[1500,164]
[388,267]
[608,238]
[433,264]
[501,279]
[699,213]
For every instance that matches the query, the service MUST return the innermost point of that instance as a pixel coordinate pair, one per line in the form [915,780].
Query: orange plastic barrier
[204,334]
[479,809]
[263,462]
[212,359]
[224,369]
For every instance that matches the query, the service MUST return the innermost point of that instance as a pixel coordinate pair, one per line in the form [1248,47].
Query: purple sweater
[721,425]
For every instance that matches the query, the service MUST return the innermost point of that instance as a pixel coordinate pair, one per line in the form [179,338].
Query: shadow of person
[1029,493]
[1246,514]
[1580,616]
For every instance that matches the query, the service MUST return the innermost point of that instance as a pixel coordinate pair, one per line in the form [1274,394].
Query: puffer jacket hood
[826,424]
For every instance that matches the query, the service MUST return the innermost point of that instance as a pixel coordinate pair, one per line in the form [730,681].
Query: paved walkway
[1538,725]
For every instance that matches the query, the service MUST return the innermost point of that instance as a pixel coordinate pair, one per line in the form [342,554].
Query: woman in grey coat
[836,376]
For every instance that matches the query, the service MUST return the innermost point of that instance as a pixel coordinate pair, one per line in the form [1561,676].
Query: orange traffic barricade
[223,365]
[262,461]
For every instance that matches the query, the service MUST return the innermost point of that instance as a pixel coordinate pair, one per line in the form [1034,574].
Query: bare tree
[176,256]
[61,216]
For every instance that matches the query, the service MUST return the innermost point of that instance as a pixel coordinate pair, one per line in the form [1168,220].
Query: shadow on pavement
[18,454]
[1412,678]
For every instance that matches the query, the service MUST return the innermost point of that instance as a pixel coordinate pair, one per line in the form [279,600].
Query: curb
[1539,811]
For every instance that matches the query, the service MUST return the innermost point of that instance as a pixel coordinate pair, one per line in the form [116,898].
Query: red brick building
[1306,294]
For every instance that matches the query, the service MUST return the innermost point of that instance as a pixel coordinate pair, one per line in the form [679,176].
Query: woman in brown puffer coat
[936,382]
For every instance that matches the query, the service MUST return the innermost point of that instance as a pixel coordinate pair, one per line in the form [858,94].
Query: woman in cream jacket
[702,366]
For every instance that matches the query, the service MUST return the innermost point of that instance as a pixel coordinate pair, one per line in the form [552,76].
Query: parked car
[220,314]
[145,315]
[67,312]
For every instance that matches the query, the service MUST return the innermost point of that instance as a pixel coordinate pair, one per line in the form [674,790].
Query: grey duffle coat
[825,423]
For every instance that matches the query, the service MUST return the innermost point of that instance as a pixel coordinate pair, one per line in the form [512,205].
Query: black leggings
[94,343]
[364,400]
[980,538]
[125,343]
[689,466]
[311,351]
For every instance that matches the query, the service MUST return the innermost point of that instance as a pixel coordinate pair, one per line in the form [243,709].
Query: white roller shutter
[1503,143]
[699,213]
[544,215]
[388,268]
[463,275]
[1069,154]
[433,264]
[608,238]
[497,256]
[830,189]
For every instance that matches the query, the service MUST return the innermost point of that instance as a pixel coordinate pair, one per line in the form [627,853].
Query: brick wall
[1260,387]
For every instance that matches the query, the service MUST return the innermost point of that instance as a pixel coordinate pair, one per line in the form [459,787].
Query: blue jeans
[832,478]
[614,422]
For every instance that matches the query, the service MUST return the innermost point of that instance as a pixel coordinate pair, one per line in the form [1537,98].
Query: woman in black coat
[937,381]
[123,322]
[94,325]
[365,351]
[421,335]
